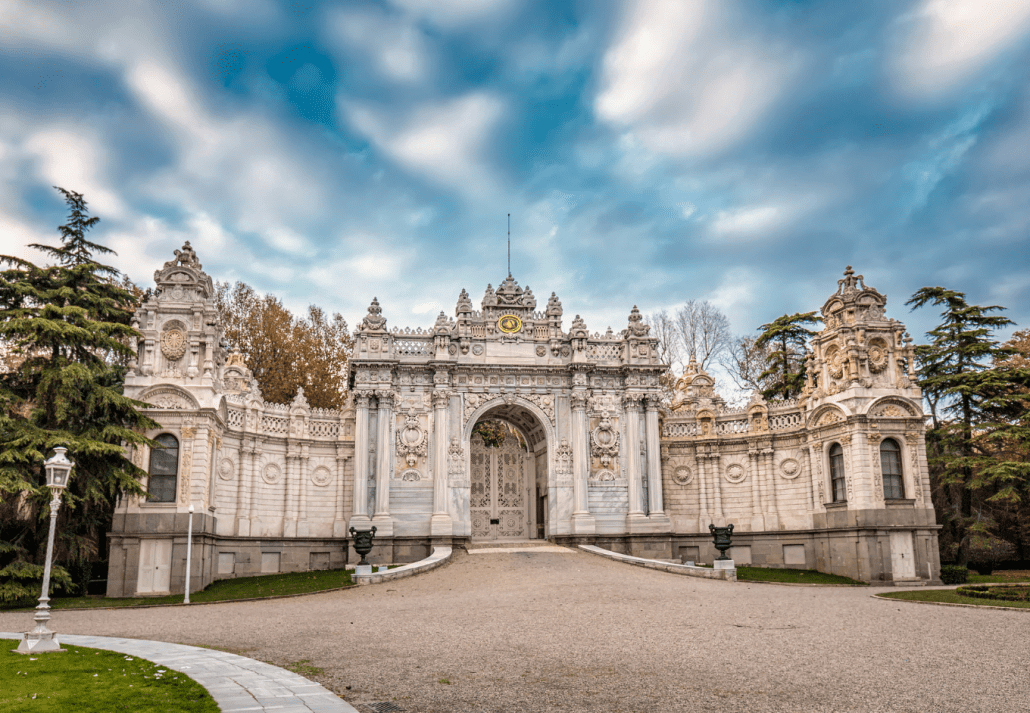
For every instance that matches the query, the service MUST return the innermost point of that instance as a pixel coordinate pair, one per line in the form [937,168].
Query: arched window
[164,466]
[840,488]
[890,464]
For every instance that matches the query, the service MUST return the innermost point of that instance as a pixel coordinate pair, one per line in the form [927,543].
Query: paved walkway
[544,632]
[235,682]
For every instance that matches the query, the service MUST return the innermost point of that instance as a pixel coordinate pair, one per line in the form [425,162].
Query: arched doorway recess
[508,472]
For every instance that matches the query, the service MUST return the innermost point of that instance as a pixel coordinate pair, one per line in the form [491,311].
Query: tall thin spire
[509,244]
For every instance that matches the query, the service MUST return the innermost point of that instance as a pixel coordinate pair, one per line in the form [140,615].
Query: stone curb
[237,683]
[439,557]
[703,572]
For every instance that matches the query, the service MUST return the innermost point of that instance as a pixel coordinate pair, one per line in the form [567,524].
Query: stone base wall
[858,552]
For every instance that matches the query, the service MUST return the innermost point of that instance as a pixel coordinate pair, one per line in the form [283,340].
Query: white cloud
[686,80]
[73,158]
[445,142]
[747,222]
[455,13]
[395,45]
[947,42]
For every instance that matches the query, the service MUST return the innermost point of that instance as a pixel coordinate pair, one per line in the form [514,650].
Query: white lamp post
[41,638]
[189,552]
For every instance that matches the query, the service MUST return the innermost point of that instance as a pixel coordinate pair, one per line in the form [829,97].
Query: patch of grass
[949,596]
[304,668]
[444,680]
[999,577]
[793,576]
[94,681]
[267,585]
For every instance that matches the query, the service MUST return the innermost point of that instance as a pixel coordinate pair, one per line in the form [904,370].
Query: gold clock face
[509,324]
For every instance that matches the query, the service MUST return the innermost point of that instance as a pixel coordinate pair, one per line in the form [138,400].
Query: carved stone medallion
[735,473]
[682,475]
[226,469]
[321,476]
[790,468]
[173,343]
[271,473]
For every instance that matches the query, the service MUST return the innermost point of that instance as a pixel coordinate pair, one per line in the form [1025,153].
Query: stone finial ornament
[554,308]
[185,258]
[374,321]
[637,327]
[464,304]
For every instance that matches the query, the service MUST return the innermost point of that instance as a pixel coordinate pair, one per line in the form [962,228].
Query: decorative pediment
[893,408]
[167,396]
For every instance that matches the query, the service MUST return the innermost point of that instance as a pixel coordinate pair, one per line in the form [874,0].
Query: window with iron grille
[164,466]
[890,464]
[840,489]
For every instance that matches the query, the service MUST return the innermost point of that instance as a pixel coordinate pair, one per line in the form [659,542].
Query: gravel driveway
[574,632]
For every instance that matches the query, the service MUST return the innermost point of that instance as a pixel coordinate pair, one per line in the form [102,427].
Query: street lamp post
[41,638]
[189,552]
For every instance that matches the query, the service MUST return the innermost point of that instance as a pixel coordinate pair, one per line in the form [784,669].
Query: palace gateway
[594,453]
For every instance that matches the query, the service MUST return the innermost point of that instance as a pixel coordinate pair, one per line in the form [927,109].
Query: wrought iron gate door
[497,501]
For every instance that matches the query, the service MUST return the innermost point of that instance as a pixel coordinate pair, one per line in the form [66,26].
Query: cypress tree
[980,434]
[785,364]
[66,327]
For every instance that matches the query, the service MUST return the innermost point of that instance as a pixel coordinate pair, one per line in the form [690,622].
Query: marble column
[384,464]
[632,450]
[359,516]
[656,505]
[303,467]
[290,510]
[441,524]
[340,516]
[582,521]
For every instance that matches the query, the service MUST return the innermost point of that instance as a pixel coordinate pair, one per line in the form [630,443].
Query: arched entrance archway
[509,477]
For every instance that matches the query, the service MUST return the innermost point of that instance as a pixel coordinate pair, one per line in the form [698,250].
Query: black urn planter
[723,539]
[363,542]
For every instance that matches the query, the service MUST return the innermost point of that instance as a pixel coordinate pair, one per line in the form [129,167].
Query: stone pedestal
[724,564]
[363,569]
[583,524]
[441,526]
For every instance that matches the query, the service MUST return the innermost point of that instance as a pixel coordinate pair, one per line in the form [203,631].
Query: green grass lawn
[94,681]
[949,596]
[793,576]
[999,577]
[267,585]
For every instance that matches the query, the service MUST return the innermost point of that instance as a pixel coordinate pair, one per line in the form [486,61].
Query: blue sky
[651,152]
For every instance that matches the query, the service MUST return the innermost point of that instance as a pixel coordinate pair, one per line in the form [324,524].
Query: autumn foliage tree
[285,352]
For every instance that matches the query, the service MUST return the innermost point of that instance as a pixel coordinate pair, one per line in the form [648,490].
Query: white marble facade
[602,458]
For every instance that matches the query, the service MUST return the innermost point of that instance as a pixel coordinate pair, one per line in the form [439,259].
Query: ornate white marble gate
[498,499]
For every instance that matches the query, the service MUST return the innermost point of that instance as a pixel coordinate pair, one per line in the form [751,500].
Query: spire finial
[509,244]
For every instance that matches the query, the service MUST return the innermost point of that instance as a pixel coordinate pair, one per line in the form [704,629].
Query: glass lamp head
[58,469]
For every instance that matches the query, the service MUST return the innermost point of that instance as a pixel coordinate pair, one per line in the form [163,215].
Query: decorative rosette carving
[174,342]
[412,440]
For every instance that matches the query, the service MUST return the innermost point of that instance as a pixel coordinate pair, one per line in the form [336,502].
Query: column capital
[579,399]
[441,398]
[361,398]
[386,398]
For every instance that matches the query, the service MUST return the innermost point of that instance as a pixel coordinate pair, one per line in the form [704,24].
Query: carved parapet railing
[409,346]
[603,350]
[729,423]
[322,424]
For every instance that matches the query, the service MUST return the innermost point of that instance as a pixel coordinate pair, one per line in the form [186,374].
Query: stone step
[506,544]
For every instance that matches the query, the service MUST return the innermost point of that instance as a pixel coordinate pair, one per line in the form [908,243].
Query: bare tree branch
[704,331]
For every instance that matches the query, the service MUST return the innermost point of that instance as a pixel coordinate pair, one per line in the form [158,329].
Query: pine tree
[785,365]
[71,324]
[978,405]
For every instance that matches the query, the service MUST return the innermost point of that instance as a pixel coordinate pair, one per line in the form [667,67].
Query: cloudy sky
[649,152]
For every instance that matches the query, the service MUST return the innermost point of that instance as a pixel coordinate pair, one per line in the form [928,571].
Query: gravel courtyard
[574,632]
